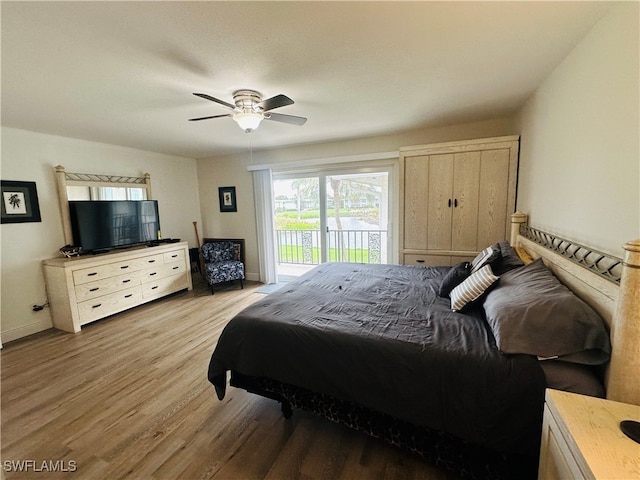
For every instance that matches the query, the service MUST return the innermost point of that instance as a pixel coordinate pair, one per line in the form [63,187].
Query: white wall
[580,139]
[231,170]
[29,156]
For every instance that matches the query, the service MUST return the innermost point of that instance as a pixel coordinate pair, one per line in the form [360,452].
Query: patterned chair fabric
[222,263]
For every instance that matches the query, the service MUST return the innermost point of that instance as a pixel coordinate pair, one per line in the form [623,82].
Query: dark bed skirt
[462,458]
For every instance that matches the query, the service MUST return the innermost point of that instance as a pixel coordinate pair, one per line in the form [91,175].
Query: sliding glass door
[339,216]
[299,244]
[357,217]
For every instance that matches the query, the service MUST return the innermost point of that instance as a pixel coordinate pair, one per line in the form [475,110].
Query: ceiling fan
[249,109]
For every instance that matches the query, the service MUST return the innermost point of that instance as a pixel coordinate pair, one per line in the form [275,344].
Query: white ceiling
[124,72]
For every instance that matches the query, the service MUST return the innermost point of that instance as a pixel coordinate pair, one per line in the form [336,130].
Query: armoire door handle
[449,203]
[455,203]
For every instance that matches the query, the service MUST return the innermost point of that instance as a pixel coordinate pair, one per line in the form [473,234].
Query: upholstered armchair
[222,263]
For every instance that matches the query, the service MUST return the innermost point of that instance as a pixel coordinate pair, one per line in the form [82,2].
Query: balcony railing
[303,246]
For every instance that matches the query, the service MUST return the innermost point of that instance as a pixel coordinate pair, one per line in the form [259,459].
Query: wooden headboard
[610,285]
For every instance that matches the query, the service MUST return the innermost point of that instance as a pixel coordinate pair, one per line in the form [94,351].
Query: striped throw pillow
[472,288]
[485,257]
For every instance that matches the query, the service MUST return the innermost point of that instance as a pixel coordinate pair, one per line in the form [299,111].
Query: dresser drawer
[175,268]
[162,271]
[105,305]
[175,256]
[435,260]
[91,274]
[136,264]
[163,286]
[86,275]
[104,286]
[419,260]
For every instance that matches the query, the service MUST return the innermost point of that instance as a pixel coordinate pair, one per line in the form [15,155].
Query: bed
[429,359]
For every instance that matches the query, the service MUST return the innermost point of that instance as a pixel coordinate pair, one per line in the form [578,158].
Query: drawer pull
[174,256]
[419,261]
[153,288]
[150,261]
[124,266]
[176,268]
[96,306]
[92,274]
[130,295]
[126,281]
[95,289]
[153,273]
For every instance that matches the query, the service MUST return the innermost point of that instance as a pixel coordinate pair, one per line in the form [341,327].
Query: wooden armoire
[456,198]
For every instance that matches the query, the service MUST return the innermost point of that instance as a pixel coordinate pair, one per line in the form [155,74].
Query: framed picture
[19,202]
[227,196]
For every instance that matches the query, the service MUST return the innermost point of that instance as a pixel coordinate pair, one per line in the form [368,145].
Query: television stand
[84,289]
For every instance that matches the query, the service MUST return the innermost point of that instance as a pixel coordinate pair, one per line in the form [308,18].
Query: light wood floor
[128,397]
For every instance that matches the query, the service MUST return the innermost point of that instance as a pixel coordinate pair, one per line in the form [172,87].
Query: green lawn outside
[293,254]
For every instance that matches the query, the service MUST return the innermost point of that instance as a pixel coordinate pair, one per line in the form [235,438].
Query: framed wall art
[227,196]
[19,202]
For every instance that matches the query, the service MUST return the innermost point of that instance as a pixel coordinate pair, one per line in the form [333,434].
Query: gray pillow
[454,277]
[509,259]
[531,312]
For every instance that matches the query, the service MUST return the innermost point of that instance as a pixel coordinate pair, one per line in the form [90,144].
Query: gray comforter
[379,336]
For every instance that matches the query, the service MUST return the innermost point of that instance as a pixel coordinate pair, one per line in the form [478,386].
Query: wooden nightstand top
[590,427]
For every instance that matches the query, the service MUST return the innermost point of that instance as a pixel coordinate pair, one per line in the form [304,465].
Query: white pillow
[472,288]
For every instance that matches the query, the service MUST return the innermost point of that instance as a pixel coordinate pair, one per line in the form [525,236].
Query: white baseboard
[254,277]
[25,330]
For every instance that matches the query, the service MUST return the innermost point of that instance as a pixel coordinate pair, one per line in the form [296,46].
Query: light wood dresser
[87,288]
[581,439]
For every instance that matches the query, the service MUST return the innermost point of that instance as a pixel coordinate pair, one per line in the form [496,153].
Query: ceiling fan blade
[212,116]
[279,117]
[214,99]
[275,102]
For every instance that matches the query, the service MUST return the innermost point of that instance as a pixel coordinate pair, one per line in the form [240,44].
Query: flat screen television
[102,225]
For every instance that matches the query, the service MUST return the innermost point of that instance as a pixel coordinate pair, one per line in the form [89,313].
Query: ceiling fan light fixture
[248,121]
[250,109]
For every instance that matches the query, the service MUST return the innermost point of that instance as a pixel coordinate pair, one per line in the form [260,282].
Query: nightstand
[581,439]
